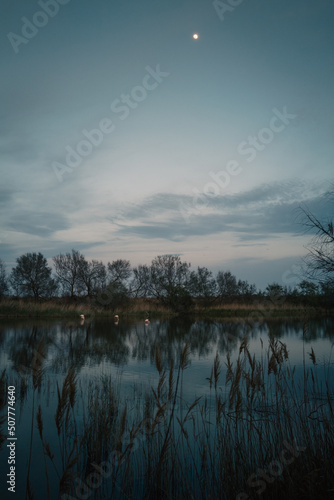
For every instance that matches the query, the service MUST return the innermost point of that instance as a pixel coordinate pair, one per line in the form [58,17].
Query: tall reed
[222,445]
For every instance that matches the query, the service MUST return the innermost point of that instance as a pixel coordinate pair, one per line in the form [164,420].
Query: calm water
[125,353]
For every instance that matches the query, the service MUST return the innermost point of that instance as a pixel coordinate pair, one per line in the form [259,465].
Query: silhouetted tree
[202,285]
[92,276]
[116,293]
[169,281]
[320,258]
[67,267]
[227,285]
[119,271]
[114,296]
[246,289]
[3,279]
[274,289]
[276,293]
[307,288]
[32,276]
[141,283]
[308,293]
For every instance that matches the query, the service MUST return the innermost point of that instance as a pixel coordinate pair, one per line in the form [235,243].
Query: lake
[96,407]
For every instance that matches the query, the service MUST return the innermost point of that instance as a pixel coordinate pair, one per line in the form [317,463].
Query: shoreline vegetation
[136,308]
[168,287]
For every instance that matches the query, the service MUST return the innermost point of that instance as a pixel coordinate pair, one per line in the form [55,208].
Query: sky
[124,137]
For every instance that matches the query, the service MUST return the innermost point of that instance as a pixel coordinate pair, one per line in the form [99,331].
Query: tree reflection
[69,344]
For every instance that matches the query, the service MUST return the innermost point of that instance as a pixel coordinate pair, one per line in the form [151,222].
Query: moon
[195,36]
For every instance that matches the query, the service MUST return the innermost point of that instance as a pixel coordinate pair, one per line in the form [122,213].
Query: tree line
[168,279]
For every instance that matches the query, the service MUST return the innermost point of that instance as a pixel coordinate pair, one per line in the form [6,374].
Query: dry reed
[213,447]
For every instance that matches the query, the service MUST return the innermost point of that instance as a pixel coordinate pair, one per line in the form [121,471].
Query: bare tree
[3,279]
[67,267]
[32,276]
[119,271]
[141,283]
[169,281]
[245,288]
[202,284]
[92,275]
[114,290]
[227,285]
[320,258]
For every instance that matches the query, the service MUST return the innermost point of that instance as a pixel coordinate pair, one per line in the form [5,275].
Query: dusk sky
[124,137]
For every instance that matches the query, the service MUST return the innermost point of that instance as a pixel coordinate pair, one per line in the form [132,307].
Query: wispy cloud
[257,214]
[42,224]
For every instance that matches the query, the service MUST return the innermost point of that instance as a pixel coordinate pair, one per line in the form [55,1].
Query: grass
[260,433]
[32,309]
[66,308]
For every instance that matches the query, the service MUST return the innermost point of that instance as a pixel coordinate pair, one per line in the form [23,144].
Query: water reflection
[88,343]
[119,368]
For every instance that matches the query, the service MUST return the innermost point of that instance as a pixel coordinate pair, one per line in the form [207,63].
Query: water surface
[124,353]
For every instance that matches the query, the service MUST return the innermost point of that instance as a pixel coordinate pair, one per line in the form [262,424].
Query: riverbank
[67,308]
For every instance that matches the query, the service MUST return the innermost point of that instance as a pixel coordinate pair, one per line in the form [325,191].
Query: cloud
[5,196]
[257,214]
[287,271]
[250,218]
[42,224]
[250,245]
